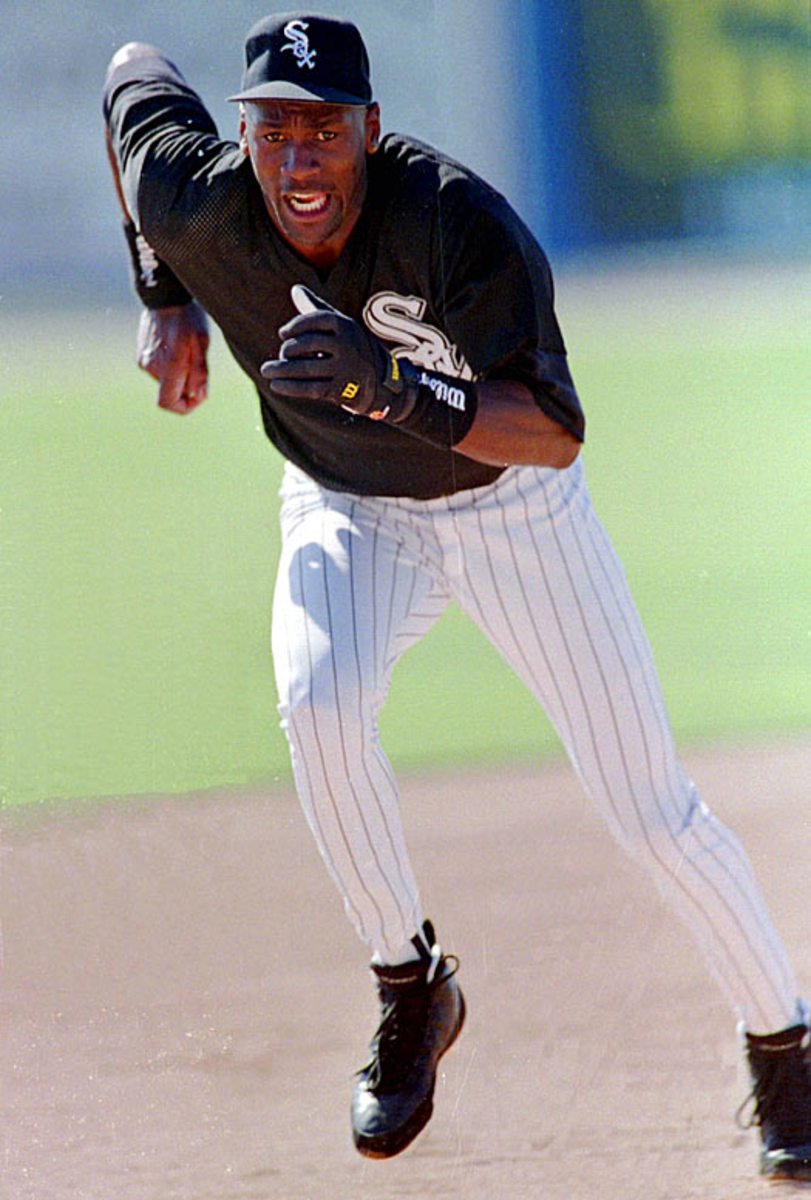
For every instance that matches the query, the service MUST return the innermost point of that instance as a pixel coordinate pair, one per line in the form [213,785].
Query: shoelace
[399,1034]
[782,1094]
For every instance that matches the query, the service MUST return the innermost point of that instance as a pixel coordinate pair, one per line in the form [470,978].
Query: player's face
[310,162]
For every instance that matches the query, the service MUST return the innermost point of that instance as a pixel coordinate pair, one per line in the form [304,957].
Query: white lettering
[444,392]
[299,43]
[147,261]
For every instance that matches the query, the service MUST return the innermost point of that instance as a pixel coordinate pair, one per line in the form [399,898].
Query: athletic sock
[406,953]
[802,1016]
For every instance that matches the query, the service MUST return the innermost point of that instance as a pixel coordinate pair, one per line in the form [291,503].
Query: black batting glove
[326,355]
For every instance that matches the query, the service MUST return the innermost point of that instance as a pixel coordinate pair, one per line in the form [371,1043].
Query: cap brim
[293,91]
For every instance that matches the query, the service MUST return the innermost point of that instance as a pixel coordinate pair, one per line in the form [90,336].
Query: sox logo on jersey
[398,319]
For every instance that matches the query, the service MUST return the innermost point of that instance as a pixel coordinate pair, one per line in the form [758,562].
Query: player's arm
[498,309]
[510,428]
[172,340]
[529,413]
[325,355]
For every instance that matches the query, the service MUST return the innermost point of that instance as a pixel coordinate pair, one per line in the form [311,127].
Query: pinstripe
[323,841]
[402,888]
[391,657]
[565,718]
[686,892]
[408,525]
[674,792]
[358,892]
[656,706]
[373,591]
[609,566]
[307,792]
[572,660]
[470,590]
[720,897]
[392,596]
[596,662]
[348,775]
[416,625]
[523,658]
[505,616]
[336,808]
[520,657]
[614,577]
[368,854]
[731,844]
[574,636]
[609,629]
[580,688]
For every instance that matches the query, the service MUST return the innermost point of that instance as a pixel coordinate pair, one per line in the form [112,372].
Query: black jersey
[438,266]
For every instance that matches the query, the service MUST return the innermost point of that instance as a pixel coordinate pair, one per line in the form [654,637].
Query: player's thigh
[543,582]
[350,598]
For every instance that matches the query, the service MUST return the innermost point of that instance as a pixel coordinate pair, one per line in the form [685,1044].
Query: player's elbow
[130,51]
[563,451]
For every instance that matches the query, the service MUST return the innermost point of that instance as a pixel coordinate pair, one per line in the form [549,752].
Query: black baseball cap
[303,56]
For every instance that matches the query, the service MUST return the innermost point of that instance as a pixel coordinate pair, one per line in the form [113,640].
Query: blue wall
[662,119]
[609,123]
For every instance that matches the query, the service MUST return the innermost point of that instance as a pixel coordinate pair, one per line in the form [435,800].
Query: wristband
[156,284]
[436,408]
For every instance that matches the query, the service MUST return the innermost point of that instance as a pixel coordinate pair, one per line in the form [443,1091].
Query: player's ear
[243,132]
[372,128]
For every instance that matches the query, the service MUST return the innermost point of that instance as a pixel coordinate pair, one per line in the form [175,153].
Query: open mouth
[307,204]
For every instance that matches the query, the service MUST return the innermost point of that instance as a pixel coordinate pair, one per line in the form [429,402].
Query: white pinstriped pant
[361,579]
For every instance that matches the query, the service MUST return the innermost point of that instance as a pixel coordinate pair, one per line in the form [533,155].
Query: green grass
[137,550]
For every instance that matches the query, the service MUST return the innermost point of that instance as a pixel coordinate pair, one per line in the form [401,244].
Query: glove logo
[299,43]
[350,391]
[452,396]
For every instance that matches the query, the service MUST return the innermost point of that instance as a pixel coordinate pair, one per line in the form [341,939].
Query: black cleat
[780,1065]
[422,1013]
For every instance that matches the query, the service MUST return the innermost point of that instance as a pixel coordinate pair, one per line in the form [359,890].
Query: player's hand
[326,355]
[171,347]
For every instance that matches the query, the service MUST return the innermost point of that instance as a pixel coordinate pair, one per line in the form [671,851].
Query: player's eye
[326,135]
[273,136]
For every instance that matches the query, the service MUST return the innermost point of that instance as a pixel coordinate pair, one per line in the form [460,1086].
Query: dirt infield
[184,1001]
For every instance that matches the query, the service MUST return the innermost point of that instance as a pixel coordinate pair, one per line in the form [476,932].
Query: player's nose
[300,159]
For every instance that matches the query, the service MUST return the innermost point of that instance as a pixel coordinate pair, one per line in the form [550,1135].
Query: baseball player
[397,320]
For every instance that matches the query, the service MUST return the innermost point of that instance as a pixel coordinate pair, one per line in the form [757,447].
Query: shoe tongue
[403,974]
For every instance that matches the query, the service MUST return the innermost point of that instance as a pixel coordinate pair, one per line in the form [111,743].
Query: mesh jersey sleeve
[164,140]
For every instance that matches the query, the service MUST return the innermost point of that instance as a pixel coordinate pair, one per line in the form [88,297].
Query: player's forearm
[510,429]
[154,281]
[119,191]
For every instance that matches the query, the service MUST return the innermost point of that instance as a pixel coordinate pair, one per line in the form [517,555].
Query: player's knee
[324,713]
[667,836]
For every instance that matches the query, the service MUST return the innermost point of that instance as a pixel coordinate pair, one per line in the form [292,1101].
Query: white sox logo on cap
[282,62]
[299,43]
